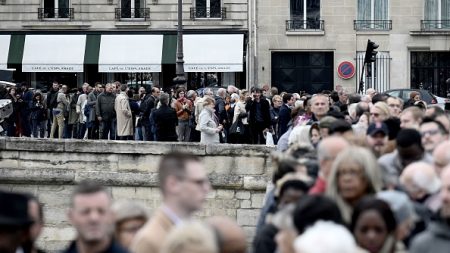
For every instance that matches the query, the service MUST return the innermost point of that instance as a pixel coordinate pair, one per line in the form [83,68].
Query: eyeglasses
[394,105]
[375,114]
[430,132]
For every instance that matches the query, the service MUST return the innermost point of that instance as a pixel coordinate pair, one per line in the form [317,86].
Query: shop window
[207,9]
[132,9]
[305,14]
[373,15]
[437,15]
[56,9]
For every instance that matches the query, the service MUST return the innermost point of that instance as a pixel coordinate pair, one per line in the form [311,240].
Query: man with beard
[91,216]
[436,239]
[377,138]
[433,133]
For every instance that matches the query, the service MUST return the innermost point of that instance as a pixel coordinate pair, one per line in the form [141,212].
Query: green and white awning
[5,41]
[213,52]
[130,53]
[54,53]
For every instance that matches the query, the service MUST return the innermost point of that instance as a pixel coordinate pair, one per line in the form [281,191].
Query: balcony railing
[204,13]
[51,13]
[383,25]
[305,25]
[432,25]
[133,14]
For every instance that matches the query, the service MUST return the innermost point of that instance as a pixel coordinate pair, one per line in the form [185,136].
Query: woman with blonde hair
[354,175]
[379,112]
[191,237]
[240,113]
[209,123]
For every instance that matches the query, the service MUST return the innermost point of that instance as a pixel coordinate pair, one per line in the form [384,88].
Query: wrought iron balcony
[51,13]
[383,25]
[432,25]
[204,13]
[302,25]
[131,14]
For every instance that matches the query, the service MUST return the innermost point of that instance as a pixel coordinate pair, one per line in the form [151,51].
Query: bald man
[327,151]
[441,156]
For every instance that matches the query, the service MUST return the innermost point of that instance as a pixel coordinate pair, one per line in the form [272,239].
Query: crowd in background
[353,173]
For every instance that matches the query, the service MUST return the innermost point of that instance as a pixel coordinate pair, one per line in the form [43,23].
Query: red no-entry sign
[346,70]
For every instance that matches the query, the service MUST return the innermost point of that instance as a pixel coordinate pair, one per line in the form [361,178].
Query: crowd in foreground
[352,174]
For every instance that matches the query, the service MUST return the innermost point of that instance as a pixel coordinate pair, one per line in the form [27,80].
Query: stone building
[301,43]
[133,41]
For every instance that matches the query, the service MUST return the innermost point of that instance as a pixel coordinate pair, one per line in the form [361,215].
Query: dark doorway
[311,72]
[429,70]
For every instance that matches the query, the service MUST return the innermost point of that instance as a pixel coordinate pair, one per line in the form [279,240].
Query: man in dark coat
[259,109]
[148,104]
[106,113]
[284,116]
[51,103]
[166,120]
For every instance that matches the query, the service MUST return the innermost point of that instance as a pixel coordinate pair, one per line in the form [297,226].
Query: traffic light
[371,54]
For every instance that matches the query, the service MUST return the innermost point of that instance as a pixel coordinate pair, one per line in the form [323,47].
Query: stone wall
[51,168]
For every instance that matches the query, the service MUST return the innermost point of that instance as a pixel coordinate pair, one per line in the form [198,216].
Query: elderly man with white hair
[326,237]
[422,184]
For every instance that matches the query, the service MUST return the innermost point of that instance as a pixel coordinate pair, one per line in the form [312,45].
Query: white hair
[300,135]
[352,110]
[325,237]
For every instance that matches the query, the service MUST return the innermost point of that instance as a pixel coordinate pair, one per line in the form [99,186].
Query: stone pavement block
[247,217]
[35,144]
[218,164]
[137,162]
[258,200]
[255,183]
[243,195]
[9,163]
[6,154]
[191,148]
[41,176]
[238,150]
[246,204]
[249,165]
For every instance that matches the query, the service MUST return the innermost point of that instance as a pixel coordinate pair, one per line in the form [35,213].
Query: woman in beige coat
[125,124]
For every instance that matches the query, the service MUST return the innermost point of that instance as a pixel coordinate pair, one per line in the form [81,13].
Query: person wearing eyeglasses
[433,133]
[379,112]
[184,186]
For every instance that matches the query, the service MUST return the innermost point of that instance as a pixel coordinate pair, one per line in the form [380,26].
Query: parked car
[425,95]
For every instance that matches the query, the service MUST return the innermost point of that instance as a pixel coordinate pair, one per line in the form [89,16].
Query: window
[56,9]
[208,9]
[437,14]
[373,15]
[377,74]
[305,14]
[133,9]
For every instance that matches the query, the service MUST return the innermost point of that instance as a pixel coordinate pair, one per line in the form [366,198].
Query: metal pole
[361,82]
[180,79]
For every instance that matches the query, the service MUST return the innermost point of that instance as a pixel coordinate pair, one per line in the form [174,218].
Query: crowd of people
[353,173]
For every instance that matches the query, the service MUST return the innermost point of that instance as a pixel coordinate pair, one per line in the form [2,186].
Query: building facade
[301,44]
[132,41]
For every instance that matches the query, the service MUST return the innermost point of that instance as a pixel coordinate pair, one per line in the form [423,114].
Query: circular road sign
[346,70]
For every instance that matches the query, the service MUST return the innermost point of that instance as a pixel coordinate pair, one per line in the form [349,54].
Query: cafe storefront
[136,59]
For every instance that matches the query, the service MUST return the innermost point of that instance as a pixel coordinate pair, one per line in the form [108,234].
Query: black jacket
[105,106]
[114,247]
[265,111]
[147,106]
[51,99]
[166,121]
[284,116]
